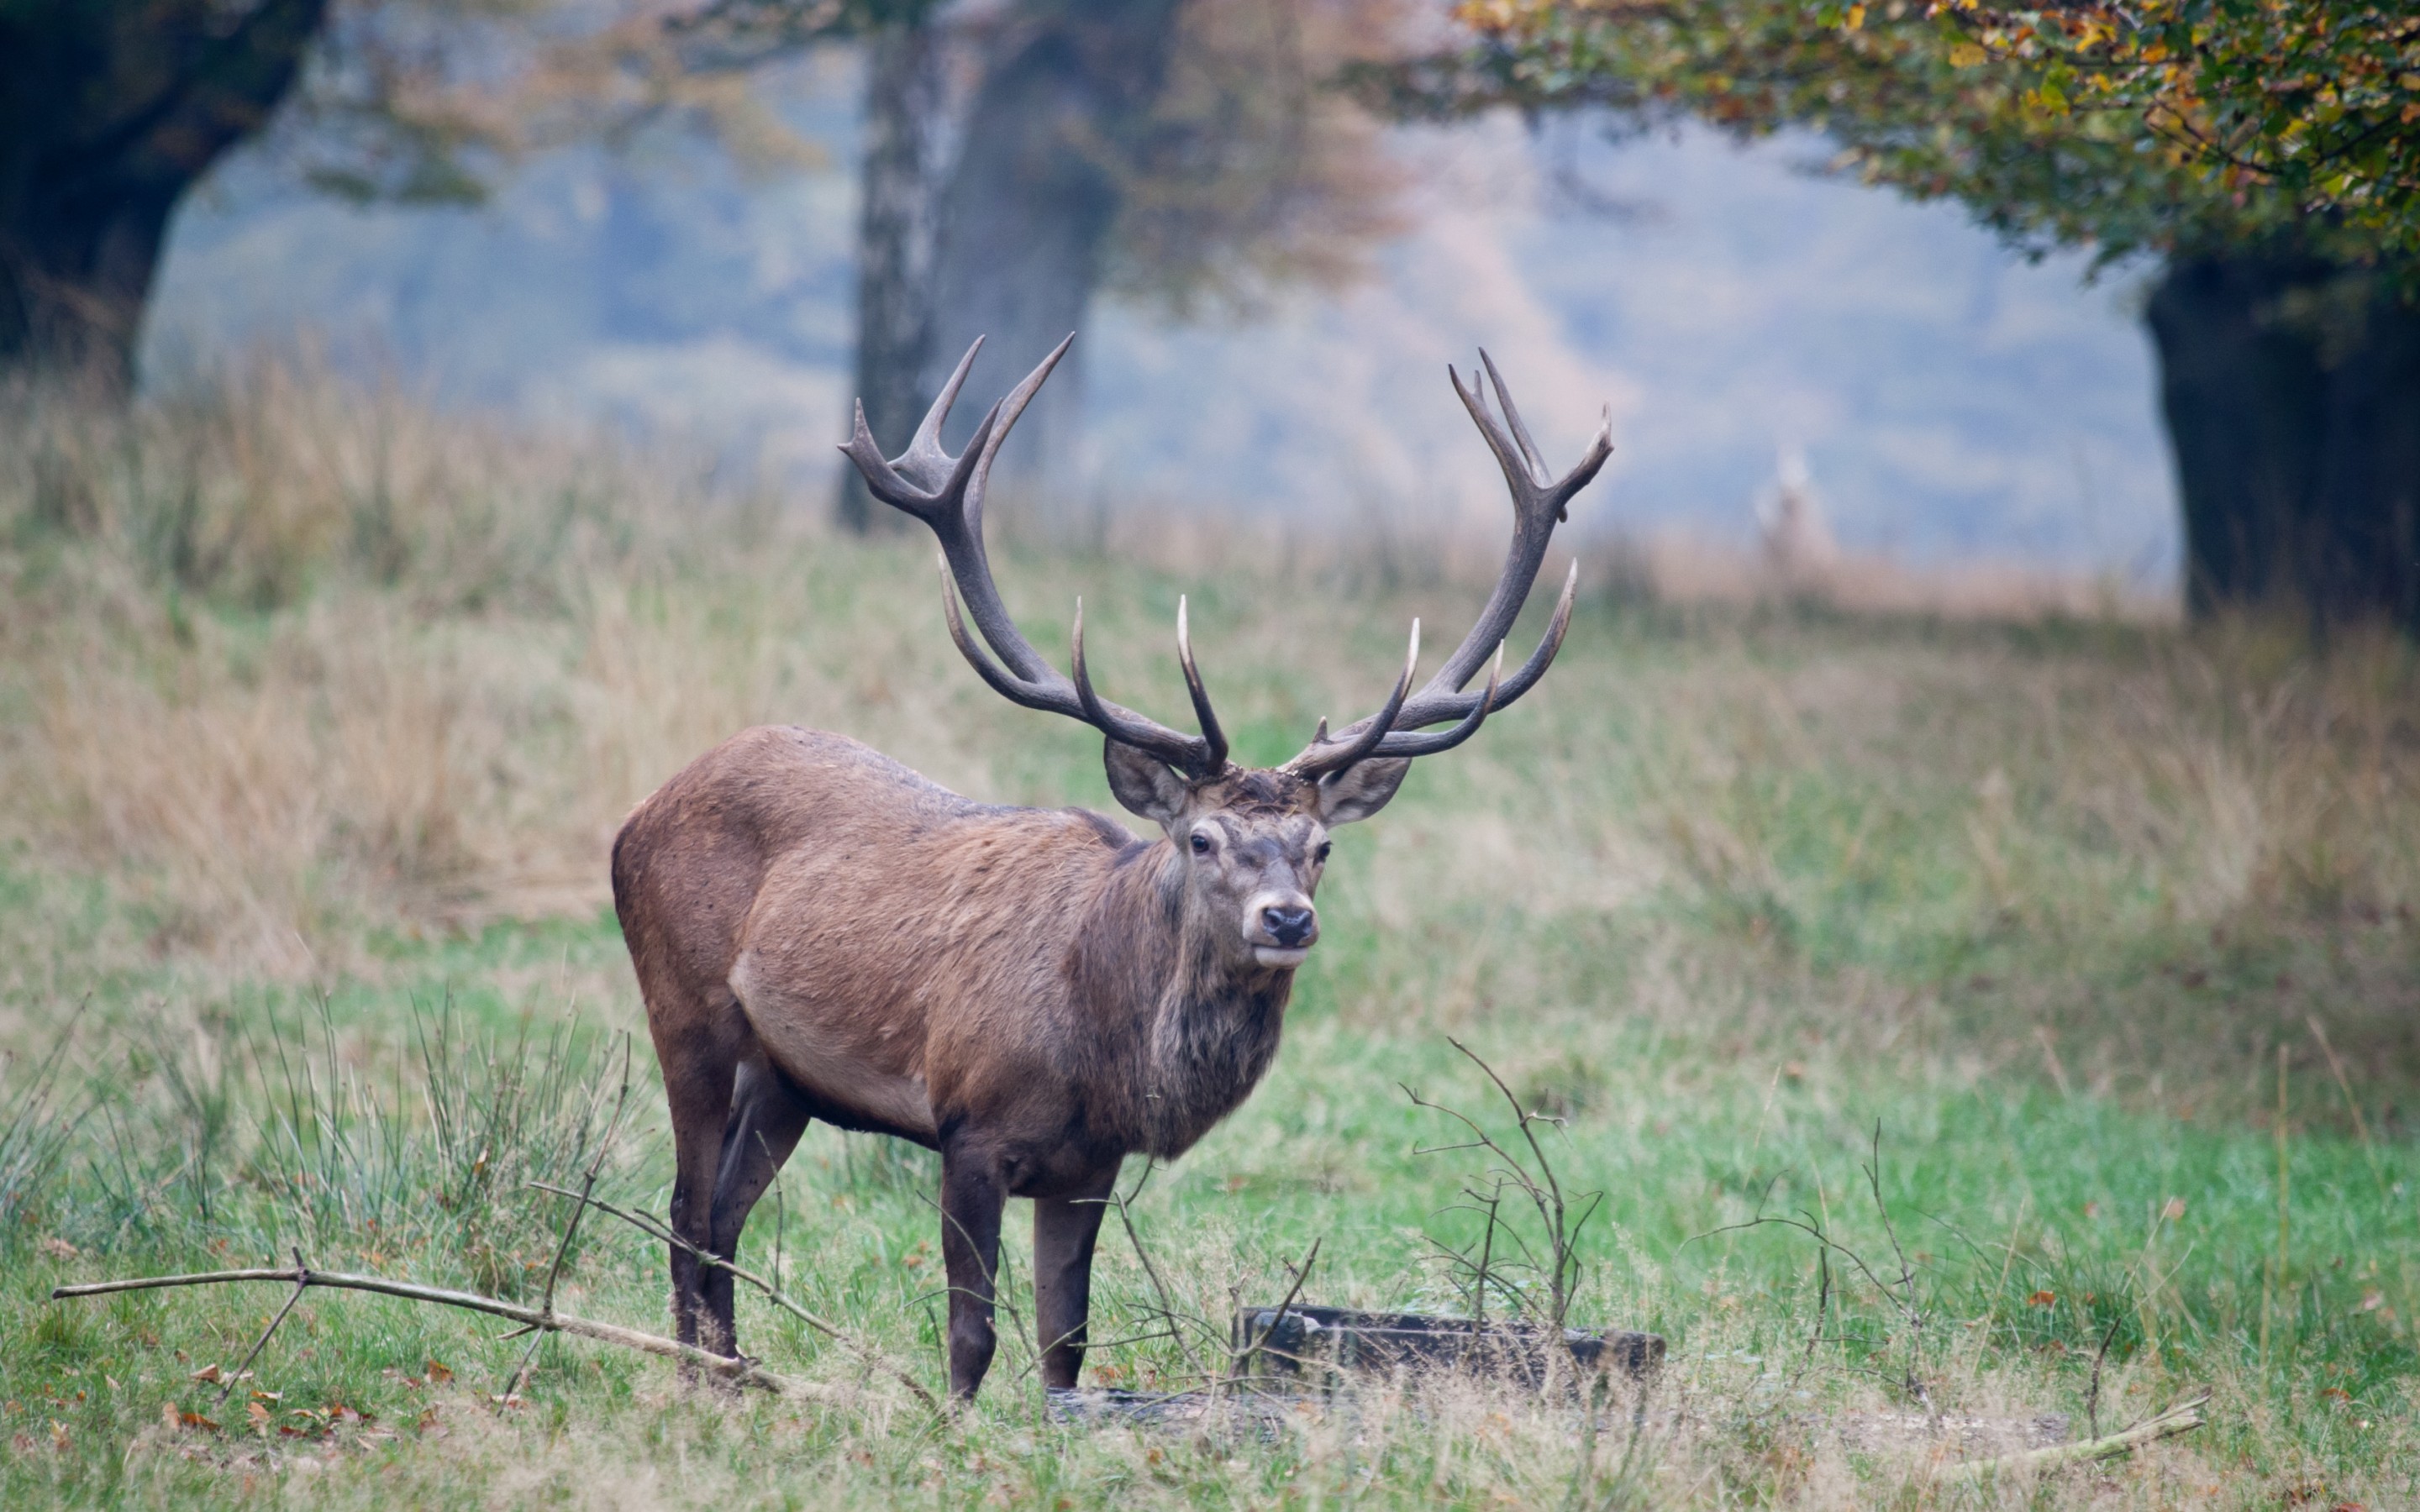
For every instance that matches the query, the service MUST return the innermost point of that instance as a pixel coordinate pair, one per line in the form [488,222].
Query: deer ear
[1360,790]
[1144,784]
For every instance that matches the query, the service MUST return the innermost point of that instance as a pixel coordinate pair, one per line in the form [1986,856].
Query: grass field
[2094,941]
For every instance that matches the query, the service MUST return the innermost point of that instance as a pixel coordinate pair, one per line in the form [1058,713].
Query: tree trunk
[1031,200]
[897,214]
[2291,390]
[108,114]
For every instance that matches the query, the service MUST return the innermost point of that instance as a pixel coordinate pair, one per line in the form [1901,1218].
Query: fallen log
[1301,1343]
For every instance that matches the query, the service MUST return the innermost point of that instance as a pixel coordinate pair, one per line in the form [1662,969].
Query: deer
[818,932]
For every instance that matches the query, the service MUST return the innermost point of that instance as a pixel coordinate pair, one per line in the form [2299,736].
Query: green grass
[2021,917]
[2003,1190]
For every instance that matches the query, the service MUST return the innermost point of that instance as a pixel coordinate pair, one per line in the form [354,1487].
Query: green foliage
[2186,124]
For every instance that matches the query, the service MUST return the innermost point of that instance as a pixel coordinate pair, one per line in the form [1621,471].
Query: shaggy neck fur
[1200,1030]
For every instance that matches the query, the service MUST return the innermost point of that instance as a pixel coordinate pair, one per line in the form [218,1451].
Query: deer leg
[698,1088]
[767,1119]
[973,1196]
[1065,1228]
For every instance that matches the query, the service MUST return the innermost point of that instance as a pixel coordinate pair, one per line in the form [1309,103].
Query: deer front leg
[766,1122]
[972,1195]
[1064,1230]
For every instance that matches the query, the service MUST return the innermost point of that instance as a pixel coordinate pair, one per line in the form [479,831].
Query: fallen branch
[2182,1418]
[743,1372]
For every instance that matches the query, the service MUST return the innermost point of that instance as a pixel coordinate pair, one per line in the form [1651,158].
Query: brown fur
[819,933]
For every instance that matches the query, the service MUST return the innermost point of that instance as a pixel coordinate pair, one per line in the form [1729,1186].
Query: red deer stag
[819,933]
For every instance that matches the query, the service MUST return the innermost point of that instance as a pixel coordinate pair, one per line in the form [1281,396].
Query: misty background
[1953,401]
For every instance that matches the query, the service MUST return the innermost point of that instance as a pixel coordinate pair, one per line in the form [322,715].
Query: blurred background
[718,226]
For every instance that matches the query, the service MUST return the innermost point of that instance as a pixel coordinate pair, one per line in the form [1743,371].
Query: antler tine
[1541,657]
[1315,763]
[1203,714]
[1018,397]
[929,485]
[1406,743]
[963,539]
[952,504]
[1201,755]
[924,448]
[947,493]
[1539,504]
[1513,418]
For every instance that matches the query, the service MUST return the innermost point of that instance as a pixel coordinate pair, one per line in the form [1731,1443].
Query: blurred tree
[898,208]
[1185,151]
[897,229]
[1189,153]
[109,111]
[1182,150]
[2271,153]
[1065,92]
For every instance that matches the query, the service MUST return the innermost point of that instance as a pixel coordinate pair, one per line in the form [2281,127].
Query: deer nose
[1290,927]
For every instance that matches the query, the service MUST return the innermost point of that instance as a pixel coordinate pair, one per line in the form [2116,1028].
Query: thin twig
[1558,1281]
[1906,1300]
[301,1284]
[571,1227]
[1900,1294]
[2092,1398]
[1122,1201]
[991,1297]
[1301,1273]
[662,1232]
[1487,1259]
[2353,1104]
[1822,1295]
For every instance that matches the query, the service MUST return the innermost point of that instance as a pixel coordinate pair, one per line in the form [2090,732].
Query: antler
[1539,504]
[947,493]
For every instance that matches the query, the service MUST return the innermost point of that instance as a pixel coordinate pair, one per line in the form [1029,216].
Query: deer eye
[1321,855]
[1201,845]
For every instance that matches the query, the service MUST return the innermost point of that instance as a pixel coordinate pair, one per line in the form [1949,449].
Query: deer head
[1249,844]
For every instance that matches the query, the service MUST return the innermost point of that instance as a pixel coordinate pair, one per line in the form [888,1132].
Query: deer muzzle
[1282,927]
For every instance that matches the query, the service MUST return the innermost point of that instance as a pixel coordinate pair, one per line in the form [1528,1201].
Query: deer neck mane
[1200,1029]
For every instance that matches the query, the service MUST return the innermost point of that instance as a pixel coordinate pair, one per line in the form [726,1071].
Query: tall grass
[34,1129]
[258,1141]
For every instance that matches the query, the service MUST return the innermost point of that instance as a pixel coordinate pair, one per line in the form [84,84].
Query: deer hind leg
[767,1117]
[1065,1228]
[973,1196]
[700,1040]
